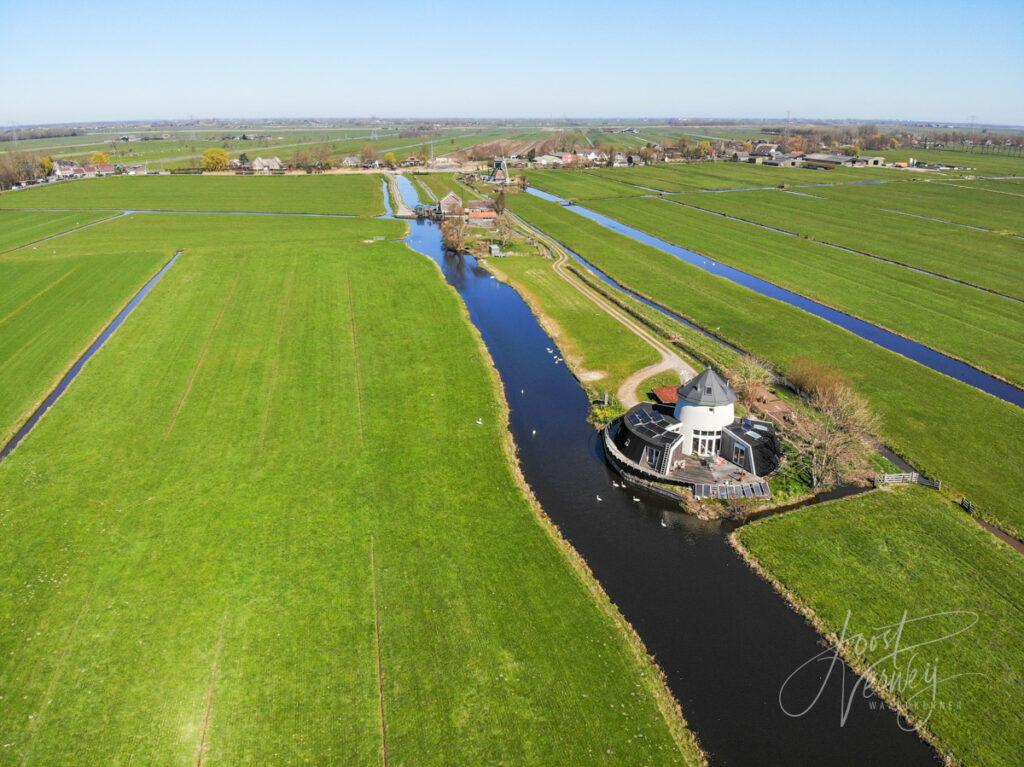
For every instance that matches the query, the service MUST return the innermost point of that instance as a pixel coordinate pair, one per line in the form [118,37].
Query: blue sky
[940,60]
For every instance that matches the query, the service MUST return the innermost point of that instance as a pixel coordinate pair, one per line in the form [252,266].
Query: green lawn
[354,194]
[981,258]
[948,429]
[981,162]
[55,298]
[872,559]
[587,336]
[264,516]
[979,327]
[19,228]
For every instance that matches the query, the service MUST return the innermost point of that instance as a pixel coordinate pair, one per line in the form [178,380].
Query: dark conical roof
[708,388]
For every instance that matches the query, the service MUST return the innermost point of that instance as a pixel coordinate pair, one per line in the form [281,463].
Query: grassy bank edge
[830,637]
[657,683]
[824,302]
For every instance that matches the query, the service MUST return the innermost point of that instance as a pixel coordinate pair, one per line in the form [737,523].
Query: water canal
[726,641]
[924,355]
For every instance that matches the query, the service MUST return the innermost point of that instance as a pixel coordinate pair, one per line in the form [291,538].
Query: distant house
[450,205]
[764,149]
[89,171]
[619,160]
[780,160]
[64,169]
[634,160]
[266,165]
[135,170]
[829,161]
[474,205]
[350,162]
[548,160]
[482,217]
[106,169]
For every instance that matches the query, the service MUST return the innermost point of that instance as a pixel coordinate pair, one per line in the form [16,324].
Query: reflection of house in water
[696,441]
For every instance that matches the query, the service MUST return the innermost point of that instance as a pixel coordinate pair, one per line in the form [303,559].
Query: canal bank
[937,361]
[725,640]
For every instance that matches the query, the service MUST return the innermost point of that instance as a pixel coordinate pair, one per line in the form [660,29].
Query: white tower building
[706,405]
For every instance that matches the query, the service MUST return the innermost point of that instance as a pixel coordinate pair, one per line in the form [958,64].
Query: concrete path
[670,360]
[398,207]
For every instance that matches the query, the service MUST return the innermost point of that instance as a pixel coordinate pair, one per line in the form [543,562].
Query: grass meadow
[958,204]
[263,526]
[595,343]
[985,259]
[443,183]
[54,300]
[979,327]
[20,228]
[921,410]
[354,194]
[866,562]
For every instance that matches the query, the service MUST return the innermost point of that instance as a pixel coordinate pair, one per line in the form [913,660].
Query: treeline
[18,167]
[22,134]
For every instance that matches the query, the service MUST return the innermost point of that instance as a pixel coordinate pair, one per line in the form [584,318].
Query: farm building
[696,441]
[350,162]
[266,165]
[450,205]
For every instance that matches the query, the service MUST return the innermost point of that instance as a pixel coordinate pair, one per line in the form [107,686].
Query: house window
[739,455]
[652,456]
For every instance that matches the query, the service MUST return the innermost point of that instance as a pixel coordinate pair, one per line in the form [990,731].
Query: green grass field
[577,184]
[872,559]
[920,409]
[443,183]
[973,325]
[586,336]
[19,228]
[54,299]
[249,532]
[958,204]
[354,194]
[981,258]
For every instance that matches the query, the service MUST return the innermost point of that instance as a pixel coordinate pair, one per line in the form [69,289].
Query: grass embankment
[600,349]
[355,194]
[870,560]
[973,325]
[19,228]
[54,300]
[443,183]
[982,258]
[987,163]
[250,532]
[920,409]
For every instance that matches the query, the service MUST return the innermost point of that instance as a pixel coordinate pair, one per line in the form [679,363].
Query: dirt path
[670,360]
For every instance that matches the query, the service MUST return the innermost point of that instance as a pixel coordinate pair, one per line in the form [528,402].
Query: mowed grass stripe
[921,410]
[984,329]
[351,194]
[229,599]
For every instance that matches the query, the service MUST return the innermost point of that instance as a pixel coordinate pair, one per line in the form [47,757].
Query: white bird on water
[534,432]
[598,497]
[635,499]
[547,347]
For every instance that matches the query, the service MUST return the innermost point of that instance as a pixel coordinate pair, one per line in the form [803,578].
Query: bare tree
[453,233]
